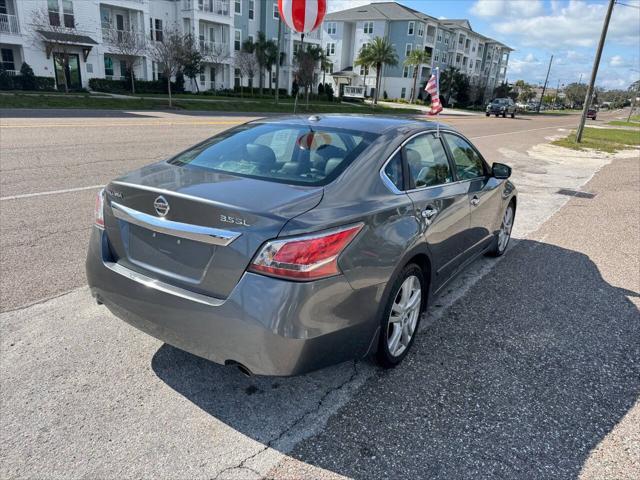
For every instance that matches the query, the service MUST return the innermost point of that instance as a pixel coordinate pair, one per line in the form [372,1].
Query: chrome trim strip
[170,192]
[163,287]
[213,236]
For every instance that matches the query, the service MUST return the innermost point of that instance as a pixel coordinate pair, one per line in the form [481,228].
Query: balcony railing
[214,49]
[113,36]
[11,73]
[9,24]
[431,38]
[217,7]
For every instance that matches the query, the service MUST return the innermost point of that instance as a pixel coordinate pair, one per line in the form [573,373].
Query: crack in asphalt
[41,236]
[242,464]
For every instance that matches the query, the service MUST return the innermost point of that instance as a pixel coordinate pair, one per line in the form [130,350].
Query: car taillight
[99,209]
[309,257]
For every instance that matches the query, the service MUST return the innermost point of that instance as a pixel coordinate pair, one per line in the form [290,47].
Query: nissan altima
[285,245]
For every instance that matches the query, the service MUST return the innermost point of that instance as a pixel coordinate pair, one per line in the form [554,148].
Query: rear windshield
[295,154]
[500,101]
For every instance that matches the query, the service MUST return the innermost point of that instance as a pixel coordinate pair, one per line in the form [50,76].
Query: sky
[567,29]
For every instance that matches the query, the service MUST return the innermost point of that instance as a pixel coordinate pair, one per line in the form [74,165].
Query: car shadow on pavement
[521,377]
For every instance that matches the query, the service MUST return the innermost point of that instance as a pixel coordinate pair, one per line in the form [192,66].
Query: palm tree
[416,58]
[381,53]
[263,49]
[364,60]
[307,62]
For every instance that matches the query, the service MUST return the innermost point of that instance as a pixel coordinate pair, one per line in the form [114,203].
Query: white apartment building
[87,28]
[450,43]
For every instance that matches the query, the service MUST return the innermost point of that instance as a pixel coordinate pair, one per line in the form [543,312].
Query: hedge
[15,82]
[124,86]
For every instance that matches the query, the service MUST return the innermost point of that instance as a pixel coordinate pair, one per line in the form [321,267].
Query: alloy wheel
[404,316]
[505,230]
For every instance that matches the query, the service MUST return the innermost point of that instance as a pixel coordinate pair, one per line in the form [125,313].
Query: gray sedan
[285,245]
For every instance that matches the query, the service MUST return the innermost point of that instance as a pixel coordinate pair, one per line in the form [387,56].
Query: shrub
[28,77]
[20,82]
[328,90]
[384,95]
[320,88]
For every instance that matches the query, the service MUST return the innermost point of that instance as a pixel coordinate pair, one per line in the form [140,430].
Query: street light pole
[545,84]
[594,72]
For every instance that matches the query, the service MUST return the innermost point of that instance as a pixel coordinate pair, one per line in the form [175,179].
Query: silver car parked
[284,245]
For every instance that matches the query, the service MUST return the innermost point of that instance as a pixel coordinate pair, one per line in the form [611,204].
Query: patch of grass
[90,101]
[603,139]
[623,123]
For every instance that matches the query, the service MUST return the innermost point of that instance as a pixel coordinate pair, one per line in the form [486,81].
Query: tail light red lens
[99,209]
[305,258]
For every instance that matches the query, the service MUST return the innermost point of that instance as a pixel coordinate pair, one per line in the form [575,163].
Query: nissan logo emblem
[161,205]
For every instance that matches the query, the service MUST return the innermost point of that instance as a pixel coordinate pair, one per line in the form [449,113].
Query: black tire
[488,114]
[495,250]
[384,358]
[497,115]
[504,114]
[513,115]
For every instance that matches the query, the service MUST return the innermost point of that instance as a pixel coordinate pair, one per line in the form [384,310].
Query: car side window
[468,163]
[393,171]
[427,161]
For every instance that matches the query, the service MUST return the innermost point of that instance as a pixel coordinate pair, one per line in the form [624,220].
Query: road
[85,395]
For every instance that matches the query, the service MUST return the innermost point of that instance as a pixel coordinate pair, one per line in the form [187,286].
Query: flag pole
[438,90]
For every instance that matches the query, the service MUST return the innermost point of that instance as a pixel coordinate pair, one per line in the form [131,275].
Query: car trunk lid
[195,228]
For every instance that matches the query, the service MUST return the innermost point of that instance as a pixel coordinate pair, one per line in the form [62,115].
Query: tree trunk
[278,60]
[197,86]
[261,84]
[377,96]
[169,90]
[415,83]
[133,82]
[270,81]
[65,66]
[365,82]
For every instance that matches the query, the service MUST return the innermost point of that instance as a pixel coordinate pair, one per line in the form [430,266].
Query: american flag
[432,89]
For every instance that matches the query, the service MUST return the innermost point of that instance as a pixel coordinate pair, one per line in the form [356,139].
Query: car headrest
[332,163]
[320,156]
[413,158]
[262,155]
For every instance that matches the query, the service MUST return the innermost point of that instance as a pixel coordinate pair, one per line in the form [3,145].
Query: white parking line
[50,192]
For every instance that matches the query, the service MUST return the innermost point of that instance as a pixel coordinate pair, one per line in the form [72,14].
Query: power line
[627,5]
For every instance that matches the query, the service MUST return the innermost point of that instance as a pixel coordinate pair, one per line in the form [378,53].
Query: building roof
[379,11]
[70,38]
[397,11]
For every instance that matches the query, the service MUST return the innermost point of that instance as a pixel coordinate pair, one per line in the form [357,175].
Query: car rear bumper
[270,326]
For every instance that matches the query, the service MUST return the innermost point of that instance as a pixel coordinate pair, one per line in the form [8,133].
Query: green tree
[364,60]
[381,53]
[192,60]
[415,59]
[28,77]
[266,52]
[575,93]
[306,61]
[504,90]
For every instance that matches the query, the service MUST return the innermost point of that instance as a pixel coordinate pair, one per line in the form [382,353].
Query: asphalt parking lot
[526,367]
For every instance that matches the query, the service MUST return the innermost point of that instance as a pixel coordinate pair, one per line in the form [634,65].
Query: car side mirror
[500,170]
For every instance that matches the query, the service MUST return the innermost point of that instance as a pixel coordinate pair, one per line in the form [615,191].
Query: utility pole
[594,72]
[278,60]
[545,84]
[555,99]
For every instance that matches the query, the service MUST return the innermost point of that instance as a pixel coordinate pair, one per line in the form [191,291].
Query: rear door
[483,194]
[441,204]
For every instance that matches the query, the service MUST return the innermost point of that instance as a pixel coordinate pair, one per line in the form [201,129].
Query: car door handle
[475,201]
[429,212]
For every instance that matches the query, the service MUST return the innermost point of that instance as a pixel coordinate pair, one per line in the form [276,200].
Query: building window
[368,27]
[406,71]
[444,58]
[67,11]
[8,62]
[436,57]
[420,29]
[407,49]
[156,29]
[250,38]
[331,49]
[439,36]
[458,59]
[331,28]
[363,70]
[460,39]
[467,43]
[54,13]
[276,12]
[237,7]
[108,67]
[403,92]
[464,61]
[237,40]
[446,40]
[411,27]
[251,8]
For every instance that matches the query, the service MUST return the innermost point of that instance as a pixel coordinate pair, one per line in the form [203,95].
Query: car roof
[366,123]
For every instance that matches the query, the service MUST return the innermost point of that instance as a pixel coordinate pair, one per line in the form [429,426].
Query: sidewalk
[425,109]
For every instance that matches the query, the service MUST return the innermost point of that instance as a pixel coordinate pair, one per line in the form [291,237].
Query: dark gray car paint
[280,327]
